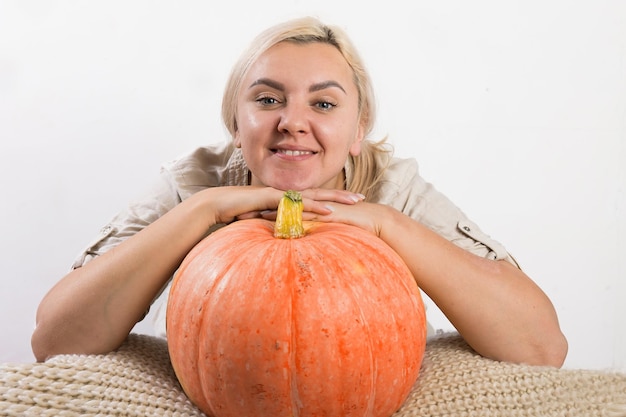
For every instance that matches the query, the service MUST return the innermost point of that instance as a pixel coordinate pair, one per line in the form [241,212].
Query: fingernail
[330,208]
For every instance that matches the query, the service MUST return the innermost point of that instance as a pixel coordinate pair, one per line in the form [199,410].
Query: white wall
[516,110]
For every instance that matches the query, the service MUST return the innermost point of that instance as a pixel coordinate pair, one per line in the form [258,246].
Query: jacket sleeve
[404,189]
[161,198]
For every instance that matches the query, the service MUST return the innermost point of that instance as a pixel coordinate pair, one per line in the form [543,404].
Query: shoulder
[204,158]
[207,166]
[399,177]
[404,188]
[402,169]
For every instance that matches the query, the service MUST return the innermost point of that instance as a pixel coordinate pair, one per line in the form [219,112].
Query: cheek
[245,125]
[351,138]
[253,123]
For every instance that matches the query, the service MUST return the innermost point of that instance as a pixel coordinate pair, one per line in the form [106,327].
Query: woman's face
[298,117]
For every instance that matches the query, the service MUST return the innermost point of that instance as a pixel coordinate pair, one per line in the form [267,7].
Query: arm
[93,308]
[499,310]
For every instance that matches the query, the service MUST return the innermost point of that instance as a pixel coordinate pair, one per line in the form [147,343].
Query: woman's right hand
[93,308]
[238,203]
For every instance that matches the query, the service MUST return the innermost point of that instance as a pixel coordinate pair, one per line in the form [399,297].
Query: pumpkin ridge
[228,257]
[296,402]
[347,245]
[373,363]
[214,281]
[199,347]
[344,237]
[255,252]
[186,304]
[317,270]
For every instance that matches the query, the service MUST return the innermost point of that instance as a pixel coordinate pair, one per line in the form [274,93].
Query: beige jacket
[223,165]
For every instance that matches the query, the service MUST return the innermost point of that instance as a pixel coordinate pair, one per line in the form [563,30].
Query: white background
[516,110]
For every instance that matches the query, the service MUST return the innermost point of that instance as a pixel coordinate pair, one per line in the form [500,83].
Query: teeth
[294,153]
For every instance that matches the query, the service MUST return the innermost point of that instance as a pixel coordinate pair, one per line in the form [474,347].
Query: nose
[293,119]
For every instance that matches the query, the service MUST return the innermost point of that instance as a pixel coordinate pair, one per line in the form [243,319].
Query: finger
[249,215]
[268,214]
[306,215]
[318,207]
[339,196]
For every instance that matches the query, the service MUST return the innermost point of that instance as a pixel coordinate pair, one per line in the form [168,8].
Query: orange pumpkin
[329,324]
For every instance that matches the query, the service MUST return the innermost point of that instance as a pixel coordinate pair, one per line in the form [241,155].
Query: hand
[367,216]
[238,203]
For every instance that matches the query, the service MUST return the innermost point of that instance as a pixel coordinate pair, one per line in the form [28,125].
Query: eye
[325,105]
[266,100]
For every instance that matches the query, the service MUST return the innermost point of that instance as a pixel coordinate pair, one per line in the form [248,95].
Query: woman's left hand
[516,321]
[344,209]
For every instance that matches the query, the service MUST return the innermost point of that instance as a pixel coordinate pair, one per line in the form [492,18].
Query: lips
[291,152]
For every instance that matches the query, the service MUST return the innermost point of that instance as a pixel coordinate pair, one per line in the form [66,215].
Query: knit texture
[138,380]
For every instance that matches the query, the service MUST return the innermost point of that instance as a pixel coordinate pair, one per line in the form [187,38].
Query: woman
[299,107]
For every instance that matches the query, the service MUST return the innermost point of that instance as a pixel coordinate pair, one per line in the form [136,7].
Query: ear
[355,148]
[237,139]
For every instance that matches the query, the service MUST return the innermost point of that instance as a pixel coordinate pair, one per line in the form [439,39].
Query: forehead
[301,61]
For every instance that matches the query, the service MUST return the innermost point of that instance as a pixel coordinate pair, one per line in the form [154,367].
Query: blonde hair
[368,166]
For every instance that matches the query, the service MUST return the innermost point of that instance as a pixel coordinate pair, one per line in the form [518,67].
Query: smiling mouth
[290,152]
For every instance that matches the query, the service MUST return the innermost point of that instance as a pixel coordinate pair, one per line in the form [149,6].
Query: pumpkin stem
[289,216]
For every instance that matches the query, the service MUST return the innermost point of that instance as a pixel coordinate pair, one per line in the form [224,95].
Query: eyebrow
[326,84]
[315,87]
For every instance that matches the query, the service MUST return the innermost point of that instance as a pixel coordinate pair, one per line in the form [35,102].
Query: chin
[285,185]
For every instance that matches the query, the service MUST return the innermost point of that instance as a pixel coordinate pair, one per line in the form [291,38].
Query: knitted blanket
[138,380]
